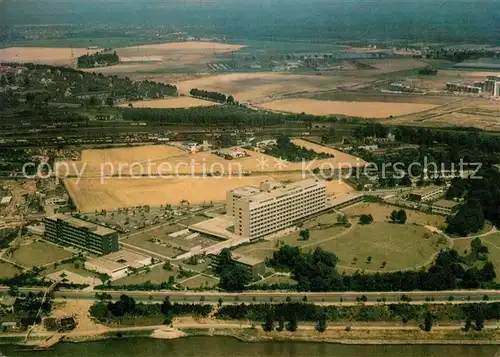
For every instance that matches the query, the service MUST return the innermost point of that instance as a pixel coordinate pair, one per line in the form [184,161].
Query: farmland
[54,56]
[115,178]
[355,109]
[179,102]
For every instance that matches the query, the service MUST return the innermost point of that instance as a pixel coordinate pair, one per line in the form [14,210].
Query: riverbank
[356,335]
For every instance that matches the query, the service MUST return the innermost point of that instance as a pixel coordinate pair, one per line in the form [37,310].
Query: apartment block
[68,230]
[274,206]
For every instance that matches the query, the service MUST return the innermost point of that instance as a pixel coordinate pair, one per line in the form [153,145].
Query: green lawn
[39,253]
[492,241]
[77,267]
[200,281]
[277,279]
[8,270]
[157,275]
[400,246]
[321,228]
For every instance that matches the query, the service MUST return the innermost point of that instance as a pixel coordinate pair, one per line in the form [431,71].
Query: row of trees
[288,151]
[216,115]
[316,271]
[271,315]
[218,97]
[107,311]
[98,60]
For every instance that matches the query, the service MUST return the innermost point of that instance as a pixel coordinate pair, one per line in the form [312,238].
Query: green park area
[38,254]
[199,282]
[379,246]
[8,270]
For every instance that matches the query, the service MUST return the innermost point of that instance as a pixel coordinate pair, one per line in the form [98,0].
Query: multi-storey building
[259,212]
[81,234]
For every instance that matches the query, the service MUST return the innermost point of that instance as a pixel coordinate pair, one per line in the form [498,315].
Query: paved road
[330,298]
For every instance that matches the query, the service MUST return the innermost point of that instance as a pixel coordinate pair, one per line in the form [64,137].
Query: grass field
[76,267]
[354,109]
[144,240]
[8,270]
[277,279]
[321,228]
[382,213]
[200,281]
[39,253]
[157,275]
[400,246]
[179,102]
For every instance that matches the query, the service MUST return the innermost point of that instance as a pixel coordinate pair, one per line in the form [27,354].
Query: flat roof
[245,191]
[6,199]
[80,223]
[106,264]
[247,260]
[426,191]
[129,257]
[283,190]
[445,203]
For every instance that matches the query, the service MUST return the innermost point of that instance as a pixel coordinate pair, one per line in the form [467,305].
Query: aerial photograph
[262,178]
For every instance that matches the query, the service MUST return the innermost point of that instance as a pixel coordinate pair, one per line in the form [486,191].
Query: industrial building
[274,206]
[68,230]
[119,264]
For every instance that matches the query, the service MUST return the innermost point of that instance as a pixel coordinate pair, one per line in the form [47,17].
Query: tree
[394,216]
[167,266]
[322,324]
[110,101]
[428,321]
[365,219]
[13,290]
[304,234]
[468,324]
[479,319]
[268,324]
[230,99]
[342,219]
[94,101]
[369,259]
[469,219]
[402,216]
[292,323]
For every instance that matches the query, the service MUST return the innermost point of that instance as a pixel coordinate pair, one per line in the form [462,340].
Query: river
[229,347]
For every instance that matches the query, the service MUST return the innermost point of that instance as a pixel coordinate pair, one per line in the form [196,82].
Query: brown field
[389,65]
[90,194]
[179,102]
[355,109]
[130,155]
[55,56]
[262,87]
[129,188]
[174,55]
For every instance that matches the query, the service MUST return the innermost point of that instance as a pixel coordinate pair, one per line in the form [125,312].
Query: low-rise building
[256,268]
[55,201]
[231,153]
[445,207]
[119,264]
[426,194]
[73,231]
